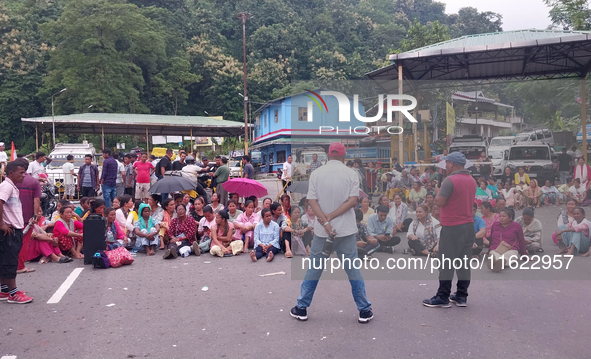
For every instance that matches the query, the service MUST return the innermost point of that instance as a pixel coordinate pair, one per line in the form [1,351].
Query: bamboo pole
[584,117]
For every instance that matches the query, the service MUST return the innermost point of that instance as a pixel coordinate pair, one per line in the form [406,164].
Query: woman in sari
[168,206]
[508,232]
[533,194]
[532,230]
[565,217]
[68,232]
[582,172]
[114,235]
[44,246]
[423,233]
[244,225]
[146,230]
[223,243]
[573,239]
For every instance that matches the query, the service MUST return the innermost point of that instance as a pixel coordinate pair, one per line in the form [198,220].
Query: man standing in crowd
[88,181]
[455,199]
[68,170]
[315,163]
[109,177]
[204,172]
[36,167]
[120,183]
[333,193]
[30,197]
[179,163]
[395,165]
[247,169]
[287,173]
[11,234]
[143,170]
[221,175]
[164,165]
[129,175]
[153,177]
[564,165]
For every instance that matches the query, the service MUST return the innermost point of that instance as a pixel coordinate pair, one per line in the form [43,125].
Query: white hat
[1,143]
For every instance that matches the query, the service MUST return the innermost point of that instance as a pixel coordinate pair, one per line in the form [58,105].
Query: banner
[450,115]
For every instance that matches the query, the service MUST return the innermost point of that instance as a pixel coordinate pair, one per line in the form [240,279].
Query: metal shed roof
[522,54]
[136,124]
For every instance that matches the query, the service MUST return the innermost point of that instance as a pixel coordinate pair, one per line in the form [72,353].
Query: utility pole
[245,16]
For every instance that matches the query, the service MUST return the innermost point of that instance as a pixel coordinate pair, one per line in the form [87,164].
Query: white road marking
[8,357]
[61,291]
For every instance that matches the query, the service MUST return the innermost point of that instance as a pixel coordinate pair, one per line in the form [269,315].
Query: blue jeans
[109,194]
[346,247]
[564,175]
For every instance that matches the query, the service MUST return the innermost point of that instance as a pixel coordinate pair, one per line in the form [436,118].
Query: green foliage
[423,35]
[570,14]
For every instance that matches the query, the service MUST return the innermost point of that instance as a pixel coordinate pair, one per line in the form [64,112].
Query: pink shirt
[13,209]
[581,227]
[143,171]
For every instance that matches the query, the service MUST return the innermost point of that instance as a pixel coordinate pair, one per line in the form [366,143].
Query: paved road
[160,311]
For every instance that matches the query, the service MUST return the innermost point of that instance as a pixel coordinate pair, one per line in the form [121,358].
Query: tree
[469,21]
[423,35]
[102,49]
[175,79]
[570,14]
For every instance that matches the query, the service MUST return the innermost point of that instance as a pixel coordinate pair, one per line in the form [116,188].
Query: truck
[58,158]
[536,158]
[470,145]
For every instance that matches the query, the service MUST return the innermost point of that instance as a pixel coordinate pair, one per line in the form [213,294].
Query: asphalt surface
[161,311]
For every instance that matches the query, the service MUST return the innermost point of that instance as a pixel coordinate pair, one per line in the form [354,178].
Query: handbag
[119,257]
[100,260]
[504,247]
[205,244]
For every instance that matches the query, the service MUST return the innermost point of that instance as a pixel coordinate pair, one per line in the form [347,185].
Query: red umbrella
[245,187]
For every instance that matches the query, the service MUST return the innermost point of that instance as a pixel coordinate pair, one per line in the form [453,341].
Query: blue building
[308,120]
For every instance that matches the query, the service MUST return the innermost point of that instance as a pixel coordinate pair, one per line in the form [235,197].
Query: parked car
[470,145]
[58,156]
[496,151]
[235,168]
[540,135]
[535,158]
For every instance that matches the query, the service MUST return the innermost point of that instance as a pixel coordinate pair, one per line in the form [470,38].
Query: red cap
[379,162]
[336,149]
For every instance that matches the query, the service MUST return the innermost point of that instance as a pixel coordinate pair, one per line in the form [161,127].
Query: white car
[235,169]
[496,151]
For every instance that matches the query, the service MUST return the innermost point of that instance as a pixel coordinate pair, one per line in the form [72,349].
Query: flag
[13,154]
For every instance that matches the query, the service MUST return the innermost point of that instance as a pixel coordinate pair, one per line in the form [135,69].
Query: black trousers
[406,224]
[417,247]
[88,192]
[10,247]
[259,252]
[284,185]
[393,241]
[130,191]
[455,242]
[480,245]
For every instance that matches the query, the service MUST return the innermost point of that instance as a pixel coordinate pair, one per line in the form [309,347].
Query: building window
[276,116]
[302,114]
[280,156]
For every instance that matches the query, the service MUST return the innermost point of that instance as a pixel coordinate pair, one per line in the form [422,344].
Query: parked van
[470,145]
[58,158]
[541,135]
[536,158]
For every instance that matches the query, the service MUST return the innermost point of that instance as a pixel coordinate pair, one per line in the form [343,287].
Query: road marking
[61,291]
[8,357]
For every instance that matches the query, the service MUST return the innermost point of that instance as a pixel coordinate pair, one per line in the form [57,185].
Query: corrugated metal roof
[136,124]
[495,38]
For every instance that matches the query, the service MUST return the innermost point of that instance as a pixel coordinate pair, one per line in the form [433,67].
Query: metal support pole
[53,120]
[103,137]
[147,142]
[400,123]
[36,138]
[584,117]
[415,129]
[191,141]
[244,16]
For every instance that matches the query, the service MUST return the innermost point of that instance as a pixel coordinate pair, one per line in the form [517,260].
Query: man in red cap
[332,193]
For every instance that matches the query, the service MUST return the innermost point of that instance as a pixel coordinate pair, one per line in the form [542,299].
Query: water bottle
[328,245]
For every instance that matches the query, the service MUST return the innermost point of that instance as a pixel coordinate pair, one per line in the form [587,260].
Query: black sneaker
[436,302]
[388,249]
[365,316]
[460,302]
[300,314]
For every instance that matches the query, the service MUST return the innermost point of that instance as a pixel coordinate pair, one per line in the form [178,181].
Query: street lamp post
[245,16]
[53,112]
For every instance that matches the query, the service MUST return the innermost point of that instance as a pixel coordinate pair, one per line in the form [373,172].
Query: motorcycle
[48,199]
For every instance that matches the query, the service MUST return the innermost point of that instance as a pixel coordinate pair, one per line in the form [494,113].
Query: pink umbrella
[362,194]
[245,187]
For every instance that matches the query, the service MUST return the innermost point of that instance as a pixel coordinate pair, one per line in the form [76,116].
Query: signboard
[158,140]
[174,139]
[370,152]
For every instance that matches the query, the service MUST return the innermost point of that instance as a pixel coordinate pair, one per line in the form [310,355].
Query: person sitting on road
[563,189]
[168,207]
[521,176]
[132,217]
[435,210]
[308,220]
[381,227]
[429,199]
[550,194]
[114,235]
[508,232]
[216,206]
[84,207]
[532,230]
[365,209]
[577,192]
[479,231]
[277,213]
[573,238]
[182,233]
[233,210]
[123,212]
[146,230]
[483,194]
[296,232]
[68,232]
[244,226]
[366,243]
[533,195]
[266,238]
[266,204]
[417,195]
[423,233]
[500,204]
[399,213]
[511,195]
[222,242]
[489,217]
[565,217]
[197,209]
[204,229]
[45,246]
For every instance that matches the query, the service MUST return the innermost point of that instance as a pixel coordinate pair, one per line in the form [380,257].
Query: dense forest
[185,56]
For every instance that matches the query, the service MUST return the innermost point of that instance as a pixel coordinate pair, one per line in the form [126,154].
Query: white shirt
[120,168]
[577,193]
[332,185]
[287,168]
[68,177]
[3,157]
[420,233]
[35,169]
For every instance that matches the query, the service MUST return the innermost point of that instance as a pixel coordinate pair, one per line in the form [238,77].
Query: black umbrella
[298,187]
[171,184]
